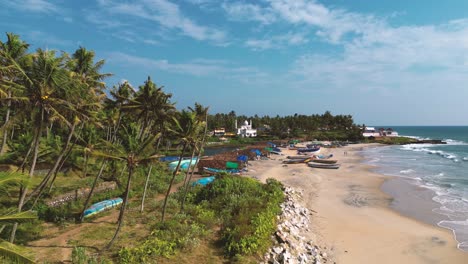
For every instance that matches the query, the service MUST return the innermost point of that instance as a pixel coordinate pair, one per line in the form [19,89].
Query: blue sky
[389,62]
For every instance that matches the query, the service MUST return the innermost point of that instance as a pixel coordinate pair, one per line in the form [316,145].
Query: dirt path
[56,248]
[56,245]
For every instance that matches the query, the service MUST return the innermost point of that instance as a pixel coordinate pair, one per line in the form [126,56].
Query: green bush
[244,208]
[248,210]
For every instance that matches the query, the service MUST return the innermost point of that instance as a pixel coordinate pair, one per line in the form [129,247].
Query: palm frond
[106,155]
[21,217]
[12,178]
[13,253]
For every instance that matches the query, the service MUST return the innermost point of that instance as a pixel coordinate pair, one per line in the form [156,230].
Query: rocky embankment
[289,245]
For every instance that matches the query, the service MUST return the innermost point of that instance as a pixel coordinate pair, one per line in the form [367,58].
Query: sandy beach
[352,217]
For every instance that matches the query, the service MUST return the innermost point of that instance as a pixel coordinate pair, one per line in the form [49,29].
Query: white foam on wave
[455,142]
[424,148]
[460,232]
[408,171]
[465,158]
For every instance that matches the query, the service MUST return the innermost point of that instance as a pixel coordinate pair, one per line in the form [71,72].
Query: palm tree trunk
[192,170]
[144,192]
[190,166]
[68,152]
[31,173]
[187,179]
[26,157]
[7,119]
[90,194]
[124,205]
[46,179]
[172,182]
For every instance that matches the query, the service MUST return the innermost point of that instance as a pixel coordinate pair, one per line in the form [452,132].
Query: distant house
[381,132]
[246,130]
[219,132]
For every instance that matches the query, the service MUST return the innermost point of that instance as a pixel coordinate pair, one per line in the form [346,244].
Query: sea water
[441,168]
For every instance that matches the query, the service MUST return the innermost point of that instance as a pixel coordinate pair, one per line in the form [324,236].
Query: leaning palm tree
[202,117]
[133,151]
[43,100]
[188,130]
[8,250]
[12,54]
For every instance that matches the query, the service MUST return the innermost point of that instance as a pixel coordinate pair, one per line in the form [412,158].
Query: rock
[278,250]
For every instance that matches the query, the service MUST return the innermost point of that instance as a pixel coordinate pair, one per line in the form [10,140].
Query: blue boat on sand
[204,181]
[102,206]
[216,171]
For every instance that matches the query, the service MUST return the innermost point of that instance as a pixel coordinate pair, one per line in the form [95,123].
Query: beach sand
[352,217]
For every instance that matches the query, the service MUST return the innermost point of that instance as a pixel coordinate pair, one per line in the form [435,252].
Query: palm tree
[134,151]
[45,85]
[188,130]
[202,117]
[12,53]
[8,250]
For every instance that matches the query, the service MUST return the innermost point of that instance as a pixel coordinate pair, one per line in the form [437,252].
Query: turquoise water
[441,168]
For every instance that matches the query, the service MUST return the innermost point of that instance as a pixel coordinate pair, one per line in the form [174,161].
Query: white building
[246,130]
[381,132]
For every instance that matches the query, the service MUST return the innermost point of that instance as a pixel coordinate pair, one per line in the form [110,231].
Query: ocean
[440,168]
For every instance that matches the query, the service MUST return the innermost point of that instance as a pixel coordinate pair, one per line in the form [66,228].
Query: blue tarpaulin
[242,158]
[257,152]
[204,181]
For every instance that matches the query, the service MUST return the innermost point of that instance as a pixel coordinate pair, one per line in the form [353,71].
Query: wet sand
[353,217]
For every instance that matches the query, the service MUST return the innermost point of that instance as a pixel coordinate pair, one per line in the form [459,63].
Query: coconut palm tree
[134,151]
[8,250]
[188,130]
[12,53]
[202,116]
[45,86]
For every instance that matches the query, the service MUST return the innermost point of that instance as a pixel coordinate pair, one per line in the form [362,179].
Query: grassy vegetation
[393,140]
[239,213]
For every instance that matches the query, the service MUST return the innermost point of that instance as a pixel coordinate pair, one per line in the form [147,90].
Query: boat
[323,156]
[101,206]
[309,150]
[184,164]
[298,157]
[296,161]
[324,161]
[216,171]
[323,166]
[204,181]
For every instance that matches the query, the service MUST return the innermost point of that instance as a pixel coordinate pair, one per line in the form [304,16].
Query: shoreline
[354,216]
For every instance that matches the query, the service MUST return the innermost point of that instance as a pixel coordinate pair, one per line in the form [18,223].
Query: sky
[387,62]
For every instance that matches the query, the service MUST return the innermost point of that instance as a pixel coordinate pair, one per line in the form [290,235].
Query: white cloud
[101,21]
[277,42]
[167,15]
[46,40]
[249,12]
[38,6]
[198,67]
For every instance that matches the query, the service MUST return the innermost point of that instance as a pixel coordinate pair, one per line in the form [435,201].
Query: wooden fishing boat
[102,206]
[323,156]
[325,161]
[296,161]
[217,171]
[309,150]
[323,166]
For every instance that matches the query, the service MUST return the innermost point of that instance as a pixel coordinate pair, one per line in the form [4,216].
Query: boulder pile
[289,246]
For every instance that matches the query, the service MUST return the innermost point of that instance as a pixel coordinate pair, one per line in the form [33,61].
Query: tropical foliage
[67,133]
